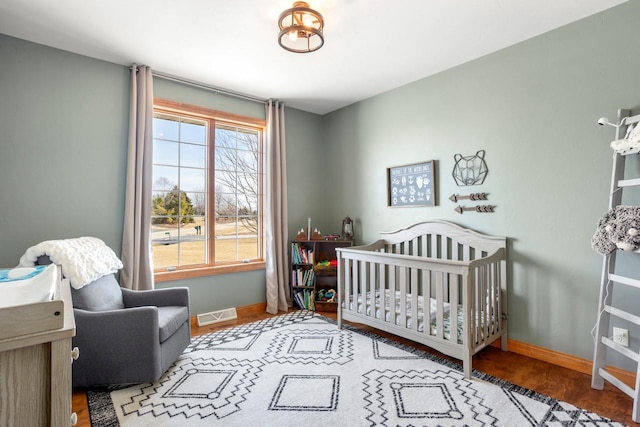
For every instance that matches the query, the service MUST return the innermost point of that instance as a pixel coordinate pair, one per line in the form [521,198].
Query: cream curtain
[136,233]
[277,233]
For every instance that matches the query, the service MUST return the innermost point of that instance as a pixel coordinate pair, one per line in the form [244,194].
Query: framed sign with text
[412,185]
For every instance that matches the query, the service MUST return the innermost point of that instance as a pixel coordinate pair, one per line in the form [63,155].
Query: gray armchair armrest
[129,327]
[157,297]
[111,340]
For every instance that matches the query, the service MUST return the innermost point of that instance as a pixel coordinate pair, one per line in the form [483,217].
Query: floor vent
[217,316]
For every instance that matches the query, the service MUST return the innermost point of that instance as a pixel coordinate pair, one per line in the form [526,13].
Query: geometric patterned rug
[299,369]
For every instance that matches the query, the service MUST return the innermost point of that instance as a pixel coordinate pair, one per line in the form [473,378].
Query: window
[207,191]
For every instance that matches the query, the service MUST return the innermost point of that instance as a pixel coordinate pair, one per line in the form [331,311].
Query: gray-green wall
[63,127]
[533,107]
[63,132]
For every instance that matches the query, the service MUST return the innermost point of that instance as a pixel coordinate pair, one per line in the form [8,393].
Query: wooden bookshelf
[313,273]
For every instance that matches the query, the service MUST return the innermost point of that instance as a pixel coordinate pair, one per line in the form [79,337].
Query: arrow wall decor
[479,208]
[473,196]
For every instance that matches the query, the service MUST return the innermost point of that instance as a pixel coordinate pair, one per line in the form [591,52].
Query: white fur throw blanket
[83,259]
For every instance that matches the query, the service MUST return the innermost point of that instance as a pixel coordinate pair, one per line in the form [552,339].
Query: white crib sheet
[432,312]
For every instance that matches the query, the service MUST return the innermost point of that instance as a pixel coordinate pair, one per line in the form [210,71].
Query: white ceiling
[371,46]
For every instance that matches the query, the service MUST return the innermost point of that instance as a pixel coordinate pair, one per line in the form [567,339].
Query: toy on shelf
[327,263]
[309,234]
[327,295]
[332,237]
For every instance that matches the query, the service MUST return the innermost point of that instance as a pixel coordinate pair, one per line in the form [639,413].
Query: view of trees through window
[206,192]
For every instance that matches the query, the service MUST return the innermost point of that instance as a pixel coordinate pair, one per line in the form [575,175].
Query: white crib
[435,283]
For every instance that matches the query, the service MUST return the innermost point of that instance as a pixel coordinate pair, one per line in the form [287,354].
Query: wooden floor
[557,382]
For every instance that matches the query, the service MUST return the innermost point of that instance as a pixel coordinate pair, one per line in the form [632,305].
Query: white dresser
[35,361]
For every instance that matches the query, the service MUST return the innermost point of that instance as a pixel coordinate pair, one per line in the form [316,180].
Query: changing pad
[19,286]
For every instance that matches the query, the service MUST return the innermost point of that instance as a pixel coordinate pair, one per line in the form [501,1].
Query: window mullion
[211,191]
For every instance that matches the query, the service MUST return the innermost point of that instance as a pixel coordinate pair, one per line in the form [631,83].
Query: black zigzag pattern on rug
[303,363]
[445,395]
[293,347]
[229,381]
[215,339]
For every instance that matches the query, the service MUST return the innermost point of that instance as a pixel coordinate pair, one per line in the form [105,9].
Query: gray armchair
[125,336]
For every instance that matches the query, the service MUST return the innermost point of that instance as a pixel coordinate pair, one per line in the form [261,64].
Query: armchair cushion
[157,297]
[170,319]
[100,295]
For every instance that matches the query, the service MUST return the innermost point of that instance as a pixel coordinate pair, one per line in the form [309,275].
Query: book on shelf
[305,299]
[303,278]
[301,255]
[308,299]
[298,300]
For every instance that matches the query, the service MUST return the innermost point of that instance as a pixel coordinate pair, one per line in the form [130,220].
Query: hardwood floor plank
[552,380]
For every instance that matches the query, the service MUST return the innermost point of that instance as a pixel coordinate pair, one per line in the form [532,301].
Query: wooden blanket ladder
[609,279]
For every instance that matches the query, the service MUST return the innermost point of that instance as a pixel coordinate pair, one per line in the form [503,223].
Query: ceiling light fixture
[301,29]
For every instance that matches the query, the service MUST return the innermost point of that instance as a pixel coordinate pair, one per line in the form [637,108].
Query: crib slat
[346,280]
[426,292]
[471,310]
[453,309]
[503,309]
[346,288]
[341,298]
[480,305]
[482,302]
[493,319]
[486,302]
[391,308]
[402,284]
[466,252]
[491,297]
[364,283]
[424,248]
[381,290]
[373,287]
[365,288]
[439,304]
[414,299]
[490,304]
[355,286]
[485,298]
[476,307]
[467,319]
[499,303]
